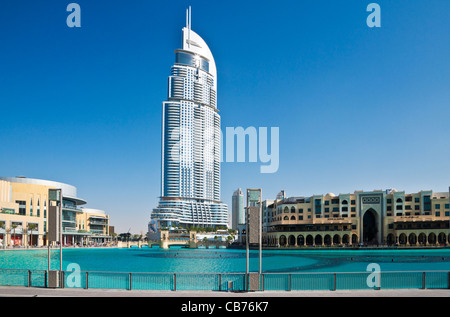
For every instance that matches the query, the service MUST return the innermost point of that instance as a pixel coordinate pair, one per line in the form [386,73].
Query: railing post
[46,279]
[245,288]
[87,280]
[62,279]
[449,280]
[290,282]
[220,282]
[129,281]
[334,281]
[174,282]
[29,278]
[423,280]
[263,281]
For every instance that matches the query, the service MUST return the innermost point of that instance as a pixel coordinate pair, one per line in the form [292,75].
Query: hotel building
[237,209]
[191,141]
[377,217]
[24,208]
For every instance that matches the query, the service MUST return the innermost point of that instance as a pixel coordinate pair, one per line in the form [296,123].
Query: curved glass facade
[190,59]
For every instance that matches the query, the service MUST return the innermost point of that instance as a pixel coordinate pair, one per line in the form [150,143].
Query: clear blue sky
[358,108]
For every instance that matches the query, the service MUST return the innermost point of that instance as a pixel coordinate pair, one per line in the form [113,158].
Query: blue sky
[358,108]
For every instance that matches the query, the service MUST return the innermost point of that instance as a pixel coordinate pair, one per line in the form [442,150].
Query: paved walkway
[6,291]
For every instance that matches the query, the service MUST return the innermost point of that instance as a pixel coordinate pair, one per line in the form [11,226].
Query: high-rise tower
[191,140]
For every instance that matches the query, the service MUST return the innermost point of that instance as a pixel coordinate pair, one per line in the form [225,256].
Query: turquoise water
[228,261]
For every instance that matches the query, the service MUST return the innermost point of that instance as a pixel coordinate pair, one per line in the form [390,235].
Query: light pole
[254,234]
[54,233]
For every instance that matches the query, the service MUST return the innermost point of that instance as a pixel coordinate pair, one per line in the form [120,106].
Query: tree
[2,226]
[14,226]
[31,227]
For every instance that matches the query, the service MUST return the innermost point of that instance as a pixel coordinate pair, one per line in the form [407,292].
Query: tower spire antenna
[189,22]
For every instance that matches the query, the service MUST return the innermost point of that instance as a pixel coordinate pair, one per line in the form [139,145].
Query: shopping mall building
[24,209]
[370,218]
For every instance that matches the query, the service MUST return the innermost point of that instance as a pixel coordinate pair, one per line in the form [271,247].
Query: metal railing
[221,281]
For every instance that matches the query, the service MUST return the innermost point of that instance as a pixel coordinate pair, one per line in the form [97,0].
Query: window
[438,213]
[344,202]
[427,203]
[408,198]
[437,206]
[399,214]
[31,207]
[300,211]
[447,206]
[327,209]
[327,202]
[399,201]
[399,207]
[335,201]
[417,207]
[353,202]
[22,207]
[417,200]
[300,217]
[344,208]
[408,207]
[353,209]
[389,208]
[447,213]
[389,201]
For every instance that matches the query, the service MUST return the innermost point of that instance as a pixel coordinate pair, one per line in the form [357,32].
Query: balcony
[72,208]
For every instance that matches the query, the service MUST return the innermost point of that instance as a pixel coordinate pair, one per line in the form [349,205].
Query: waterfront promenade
[7,291]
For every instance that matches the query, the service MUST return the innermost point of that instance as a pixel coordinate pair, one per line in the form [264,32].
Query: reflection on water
[228,261]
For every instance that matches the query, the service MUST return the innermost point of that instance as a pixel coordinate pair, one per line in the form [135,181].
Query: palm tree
[2,226]
[8,232]
[31,227]
[14,226]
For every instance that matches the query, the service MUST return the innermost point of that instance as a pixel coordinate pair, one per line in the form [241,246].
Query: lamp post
[254,234]
[55,233]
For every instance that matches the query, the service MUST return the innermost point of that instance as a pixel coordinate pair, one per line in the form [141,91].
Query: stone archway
[291,240]
[318,240]
[370,227]
[301,240]
[442,238]
[422,239]
[309,240]
[402,239]
[432,238]
[412,239]
[283,241]
[336,239]
[354,239]
[390,239]
[327,240]
[345,239]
